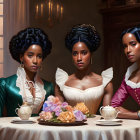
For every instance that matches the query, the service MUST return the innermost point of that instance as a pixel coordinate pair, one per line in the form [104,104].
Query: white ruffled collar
[130,69]
[40,92]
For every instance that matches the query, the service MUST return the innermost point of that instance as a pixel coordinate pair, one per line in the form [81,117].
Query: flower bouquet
[55,111]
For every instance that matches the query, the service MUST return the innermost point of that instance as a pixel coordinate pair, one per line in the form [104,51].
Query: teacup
[108,112]
[24,112]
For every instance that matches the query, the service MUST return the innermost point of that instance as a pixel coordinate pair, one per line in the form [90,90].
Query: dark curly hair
[83,33]
[134,30]
[27,37]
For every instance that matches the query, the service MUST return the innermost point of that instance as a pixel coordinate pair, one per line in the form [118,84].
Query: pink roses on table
[56,111]
[46,115]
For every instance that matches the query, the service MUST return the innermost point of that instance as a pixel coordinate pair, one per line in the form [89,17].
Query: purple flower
[79,115]
[53,107]
[49,103]
[44,106]
[49,107]
[64,104]
[57,110]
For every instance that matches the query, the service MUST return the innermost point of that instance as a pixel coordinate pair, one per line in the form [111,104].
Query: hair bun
[83,33]
[27,37]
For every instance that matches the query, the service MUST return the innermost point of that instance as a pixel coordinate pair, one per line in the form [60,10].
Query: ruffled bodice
[127,88]
[130,70]
[40,92]
[90,96]
[13,91]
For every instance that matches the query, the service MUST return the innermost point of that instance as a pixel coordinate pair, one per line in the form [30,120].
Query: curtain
[16,18]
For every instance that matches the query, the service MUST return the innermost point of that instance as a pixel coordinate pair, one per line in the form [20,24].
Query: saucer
[113,122]
[109,121]
[18,121]
[109,124]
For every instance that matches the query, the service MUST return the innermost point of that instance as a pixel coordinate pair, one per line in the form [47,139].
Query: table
[129,130]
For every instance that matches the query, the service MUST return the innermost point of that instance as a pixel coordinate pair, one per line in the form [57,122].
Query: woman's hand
[126,114]
[122,112]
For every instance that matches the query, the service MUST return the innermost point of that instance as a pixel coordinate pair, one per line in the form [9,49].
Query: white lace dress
[91,97]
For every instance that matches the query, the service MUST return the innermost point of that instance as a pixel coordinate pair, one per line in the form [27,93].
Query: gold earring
[21,64]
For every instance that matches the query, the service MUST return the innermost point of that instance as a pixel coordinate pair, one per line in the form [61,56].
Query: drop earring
[21,64]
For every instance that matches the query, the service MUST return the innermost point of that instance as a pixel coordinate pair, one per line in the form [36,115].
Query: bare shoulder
[72,78]
[97,76]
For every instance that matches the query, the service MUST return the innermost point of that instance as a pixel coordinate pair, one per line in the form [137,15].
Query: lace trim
[128,74]
[22,83]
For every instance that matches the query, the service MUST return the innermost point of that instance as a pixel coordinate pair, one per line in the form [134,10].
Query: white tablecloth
[129,130]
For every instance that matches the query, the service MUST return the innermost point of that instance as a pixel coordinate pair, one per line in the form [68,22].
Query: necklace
[31,87]
[29,84]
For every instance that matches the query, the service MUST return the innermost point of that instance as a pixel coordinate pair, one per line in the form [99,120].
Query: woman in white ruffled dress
[84,85]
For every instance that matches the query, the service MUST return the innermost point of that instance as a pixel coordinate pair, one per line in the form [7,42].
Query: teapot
[24,112]
[108,112]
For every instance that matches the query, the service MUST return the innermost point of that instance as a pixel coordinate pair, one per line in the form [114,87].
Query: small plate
[109,124]
[22,121]
[109,121]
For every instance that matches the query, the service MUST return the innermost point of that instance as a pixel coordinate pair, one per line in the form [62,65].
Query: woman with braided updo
[29,47]
[84,85]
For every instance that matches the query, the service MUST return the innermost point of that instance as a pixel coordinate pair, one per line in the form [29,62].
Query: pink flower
[64,104]
[50,98]
[46,115]
[54,100]
[54,109]
[57,101]
[69,108]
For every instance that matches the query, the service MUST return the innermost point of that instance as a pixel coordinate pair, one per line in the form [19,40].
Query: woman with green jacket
[29,47]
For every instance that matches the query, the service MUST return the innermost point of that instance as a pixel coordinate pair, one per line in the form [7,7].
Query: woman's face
[32,58]
[81,55]
[131,47]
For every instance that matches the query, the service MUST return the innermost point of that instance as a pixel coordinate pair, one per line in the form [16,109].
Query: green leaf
[90,115]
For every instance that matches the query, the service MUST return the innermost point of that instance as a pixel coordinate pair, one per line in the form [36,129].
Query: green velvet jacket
[10,97]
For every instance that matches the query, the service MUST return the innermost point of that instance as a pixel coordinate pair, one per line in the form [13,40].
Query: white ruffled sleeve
[107,76]
[60,78]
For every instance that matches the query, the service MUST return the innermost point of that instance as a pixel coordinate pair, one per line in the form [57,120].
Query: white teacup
[108,112]
[24,112]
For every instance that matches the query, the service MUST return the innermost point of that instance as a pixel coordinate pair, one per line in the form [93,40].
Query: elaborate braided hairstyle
[134,30]
[27,37]
[83,33]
